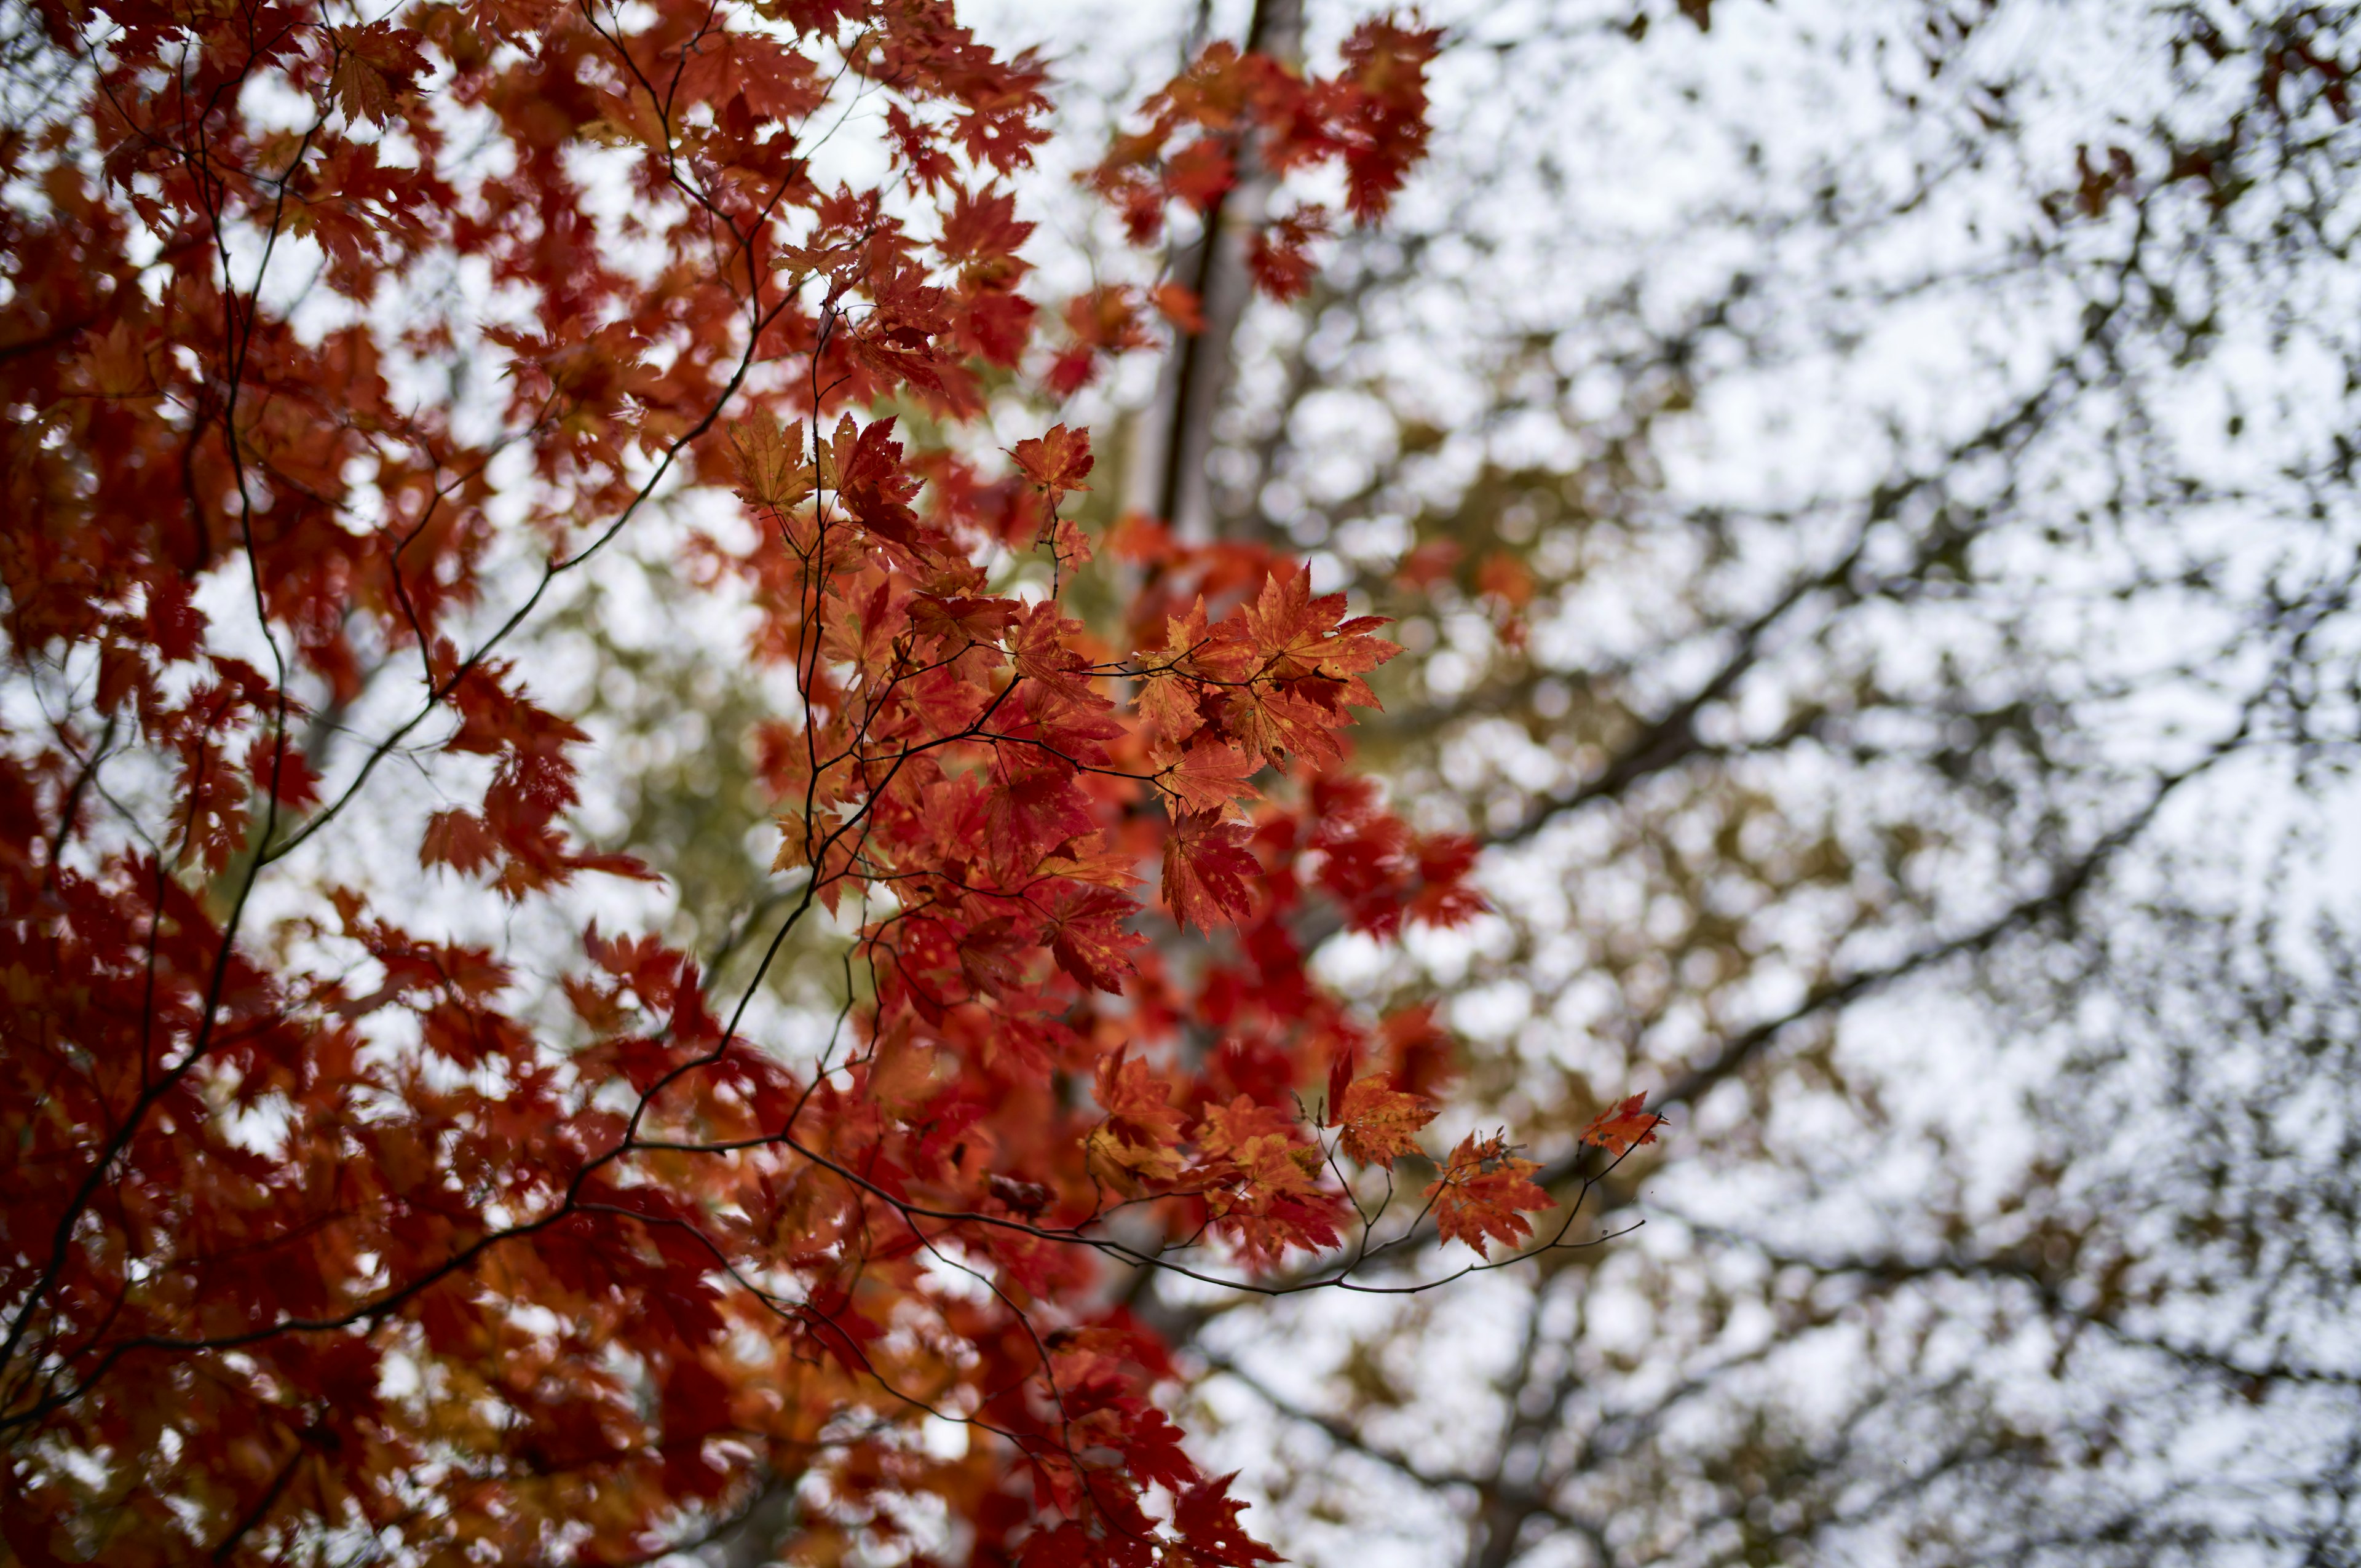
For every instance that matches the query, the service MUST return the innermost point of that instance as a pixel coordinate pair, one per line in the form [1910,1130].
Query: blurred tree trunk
[1166,475]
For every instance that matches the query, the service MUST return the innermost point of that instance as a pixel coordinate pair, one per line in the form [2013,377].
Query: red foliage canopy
[405,1232]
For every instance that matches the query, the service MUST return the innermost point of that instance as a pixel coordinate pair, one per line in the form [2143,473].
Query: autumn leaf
[864,467]
[1207,1518]
[1430,563]
[1206,870]
[1043,652]
[1385,125]
[1260,1181]
[460,839]
[1085,860]
[841,1330]
[1200,174]
[1168,708]
[1034,806]
[1484,1193]
[1276,722]
[1141,1134]
[1295,631]
[1183,635]
[1280,255]
[1505,577]
[991,955]
[1239,1130]
[1088,938]
[375,66]
[1623,1128]
[1066,1545]
[1180,305]
[1056,461]
[282,771]
[1211,778]
[1380,1121]
[1070,544]
[901,1073]
[772,471]
[1138,1104]
[1024,1198]
[1343,1063]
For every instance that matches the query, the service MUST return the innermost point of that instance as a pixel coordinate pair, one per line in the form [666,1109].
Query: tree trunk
[1177,435]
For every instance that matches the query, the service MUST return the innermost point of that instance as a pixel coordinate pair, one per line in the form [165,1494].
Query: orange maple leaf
[1208,778]
[1380,1121]
[1167,707]
[1624,1128]
[1142,1132]
[772,470]
[1478,1195]
[1299,632]
[1180,305]
[1056,461]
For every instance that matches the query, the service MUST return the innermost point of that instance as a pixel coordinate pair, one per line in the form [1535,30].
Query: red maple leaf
[1207,869]
[1034,806]
[1042,652]
[1207,1517]
[865,470]
[1087,936]
[282,771]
